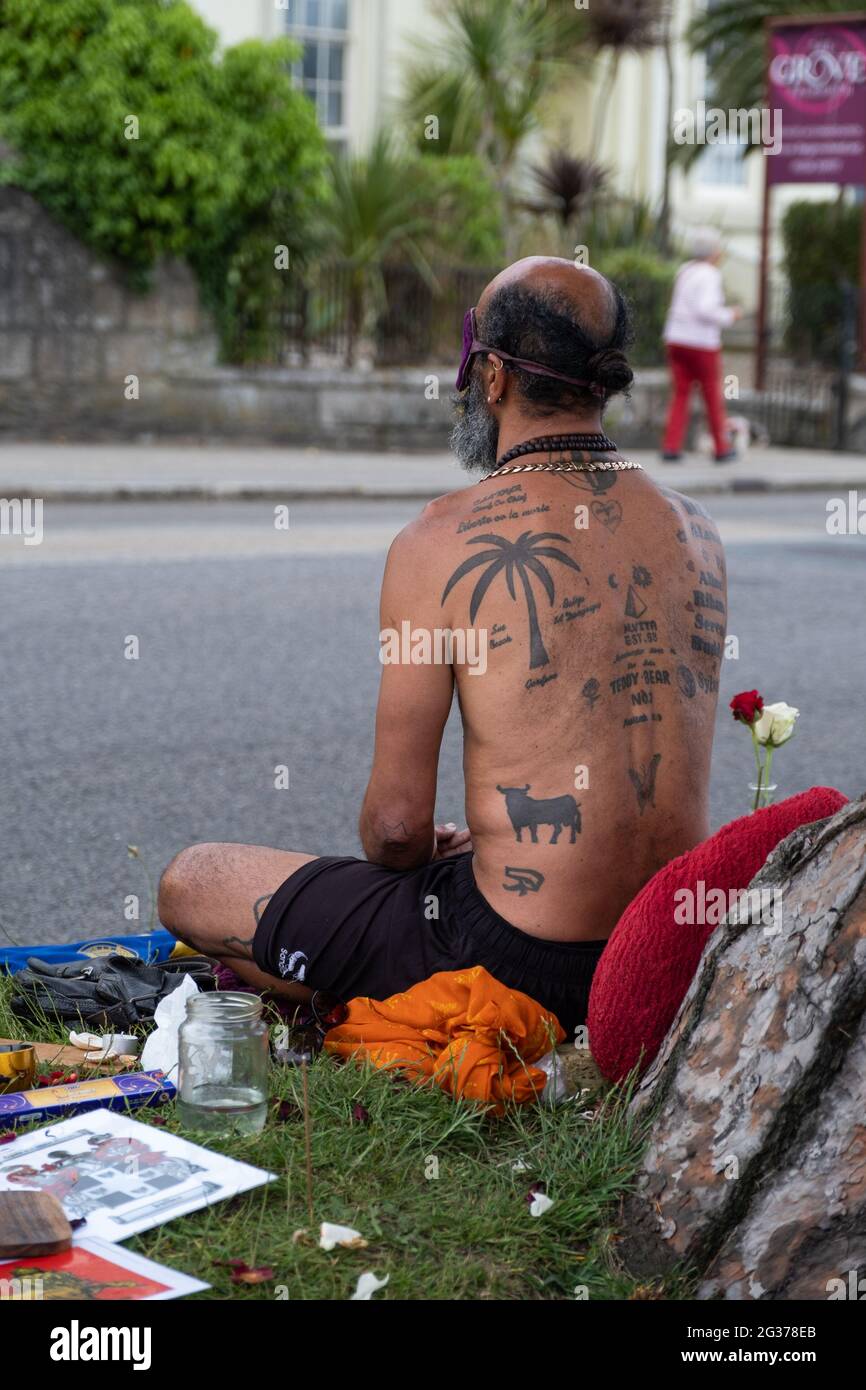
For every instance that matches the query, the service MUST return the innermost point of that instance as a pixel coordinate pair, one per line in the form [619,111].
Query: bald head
[592,297]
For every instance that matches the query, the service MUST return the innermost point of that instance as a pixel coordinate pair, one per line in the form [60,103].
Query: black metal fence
[335,313]
[811,354]
[420,323]
[798,407]
[396,316]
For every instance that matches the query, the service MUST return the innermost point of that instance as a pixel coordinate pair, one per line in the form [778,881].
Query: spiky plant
[567,182]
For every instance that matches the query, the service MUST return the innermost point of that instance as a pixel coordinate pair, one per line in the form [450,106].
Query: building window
[723,164]
[322,27]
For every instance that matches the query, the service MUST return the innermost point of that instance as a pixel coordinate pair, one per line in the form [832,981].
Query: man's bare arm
[396,825]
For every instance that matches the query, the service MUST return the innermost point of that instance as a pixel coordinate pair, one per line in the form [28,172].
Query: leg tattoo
[240,947]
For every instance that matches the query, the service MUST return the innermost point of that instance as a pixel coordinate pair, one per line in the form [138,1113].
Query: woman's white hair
[703,242]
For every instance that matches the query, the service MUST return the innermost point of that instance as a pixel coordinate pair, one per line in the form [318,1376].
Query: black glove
[108,992]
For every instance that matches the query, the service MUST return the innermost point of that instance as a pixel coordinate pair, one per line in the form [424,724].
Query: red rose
[747,706]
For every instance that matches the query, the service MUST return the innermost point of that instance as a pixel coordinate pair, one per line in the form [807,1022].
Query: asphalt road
[258,647]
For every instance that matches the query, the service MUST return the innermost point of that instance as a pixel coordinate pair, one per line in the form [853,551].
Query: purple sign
[817,92]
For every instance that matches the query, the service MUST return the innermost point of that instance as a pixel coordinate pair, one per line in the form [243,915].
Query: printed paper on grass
[124,1177]
[92,1271]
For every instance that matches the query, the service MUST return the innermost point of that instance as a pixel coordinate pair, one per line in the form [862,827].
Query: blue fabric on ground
[150,947]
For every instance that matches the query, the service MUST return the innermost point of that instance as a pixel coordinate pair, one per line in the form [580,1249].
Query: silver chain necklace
[592,466]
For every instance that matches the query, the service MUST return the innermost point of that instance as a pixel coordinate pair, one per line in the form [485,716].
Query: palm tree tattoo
[520,557]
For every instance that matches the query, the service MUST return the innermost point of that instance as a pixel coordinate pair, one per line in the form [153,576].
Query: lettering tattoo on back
[707,604]
[510,500]
[688,504]
[520,559]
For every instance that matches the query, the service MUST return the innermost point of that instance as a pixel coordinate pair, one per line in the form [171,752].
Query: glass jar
[223,1063]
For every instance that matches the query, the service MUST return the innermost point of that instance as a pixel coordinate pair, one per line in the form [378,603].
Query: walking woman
[693,334]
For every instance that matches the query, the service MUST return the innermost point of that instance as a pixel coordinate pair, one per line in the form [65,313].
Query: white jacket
[697,314]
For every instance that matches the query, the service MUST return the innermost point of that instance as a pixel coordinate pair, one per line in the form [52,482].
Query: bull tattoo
[527,812]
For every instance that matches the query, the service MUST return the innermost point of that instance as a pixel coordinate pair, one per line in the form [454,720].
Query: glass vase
[761,795]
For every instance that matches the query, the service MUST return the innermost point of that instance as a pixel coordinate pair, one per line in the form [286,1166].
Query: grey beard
[475,436]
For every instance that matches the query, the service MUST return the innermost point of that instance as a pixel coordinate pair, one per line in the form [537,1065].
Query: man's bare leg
[212,897]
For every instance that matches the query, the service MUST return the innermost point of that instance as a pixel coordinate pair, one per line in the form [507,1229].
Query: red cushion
[649,961]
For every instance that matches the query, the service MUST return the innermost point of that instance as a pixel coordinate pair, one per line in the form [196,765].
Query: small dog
[743,433]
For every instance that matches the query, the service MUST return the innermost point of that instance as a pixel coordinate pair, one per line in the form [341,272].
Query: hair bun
[609,368]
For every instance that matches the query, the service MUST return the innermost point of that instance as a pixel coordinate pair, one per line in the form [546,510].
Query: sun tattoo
[519,557]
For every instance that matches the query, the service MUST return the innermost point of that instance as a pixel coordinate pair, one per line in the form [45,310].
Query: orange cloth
[466,1031]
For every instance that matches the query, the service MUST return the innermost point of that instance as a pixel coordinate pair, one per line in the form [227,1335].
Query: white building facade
[353,58]
[354,53]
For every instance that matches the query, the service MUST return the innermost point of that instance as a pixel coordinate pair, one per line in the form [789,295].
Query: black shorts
[351,928]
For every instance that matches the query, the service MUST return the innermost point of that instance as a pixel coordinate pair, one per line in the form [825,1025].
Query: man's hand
[451,841]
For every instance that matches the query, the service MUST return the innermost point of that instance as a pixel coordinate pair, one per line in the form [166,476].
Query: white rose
[776,724]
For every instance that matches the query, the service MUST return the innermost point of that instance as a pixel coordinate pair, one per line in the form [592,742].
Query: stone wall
[72,332]
[71,329]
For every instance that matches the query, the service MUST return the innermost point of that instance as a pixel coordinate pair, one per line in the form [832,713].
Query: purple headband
[471,346]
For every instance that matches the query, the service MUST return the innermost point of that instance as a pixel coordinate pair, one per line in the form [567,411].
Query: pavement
[180,472]
[258,648]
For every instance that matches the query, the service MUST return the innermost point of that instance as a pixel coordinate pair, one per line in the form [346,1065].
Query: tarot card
[94,1271]
[120,1175]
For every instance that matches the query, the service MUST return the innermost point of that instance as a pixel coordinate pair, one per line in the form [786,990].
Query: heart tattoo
[608,513]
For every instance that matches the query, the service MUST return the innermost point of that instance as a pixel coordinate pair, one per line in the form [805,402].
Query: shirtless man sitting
[598,602]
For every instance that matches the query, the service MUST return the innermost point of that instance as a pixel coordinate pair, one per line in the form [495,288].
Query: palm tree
[495,63]
[619,27]
[521,556]
[667,47]
[732,36]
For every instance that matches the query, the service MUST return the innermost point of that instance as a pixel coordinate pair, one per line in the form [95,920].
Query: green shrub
[464,203]
[822,257]
[128,126]
[646,280]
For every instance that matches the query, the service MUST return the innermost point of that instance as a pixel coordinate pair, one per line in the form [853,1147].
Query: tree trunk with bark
[755,1171]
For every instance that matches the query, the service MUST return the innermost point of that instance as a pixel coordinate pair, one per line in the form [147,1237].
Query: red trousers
[690,365]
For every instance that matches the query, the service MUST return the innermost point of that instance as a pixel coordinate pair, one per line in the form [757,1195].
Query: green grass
[466,1234]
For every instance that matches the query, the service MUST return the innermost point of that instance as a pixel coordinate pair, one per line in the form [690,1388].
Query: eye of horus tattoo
[523,881]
